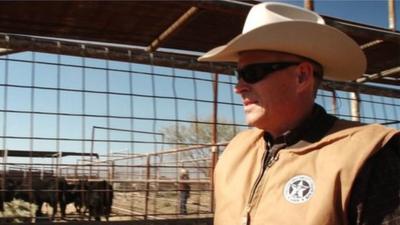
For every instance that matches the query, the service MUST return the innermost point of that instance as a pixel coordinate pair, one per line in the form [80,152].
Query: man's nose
[241,86]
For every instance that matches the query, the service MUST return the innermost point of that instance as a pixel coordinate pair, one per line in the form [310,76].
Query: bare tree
[198,133]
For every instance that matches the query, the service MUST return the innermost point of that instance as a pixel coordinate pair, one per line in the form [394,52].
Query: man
[184,191]
[300,165]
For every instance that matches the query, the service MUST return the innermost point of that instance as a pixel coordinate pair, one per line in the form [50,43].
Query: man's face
[270,102]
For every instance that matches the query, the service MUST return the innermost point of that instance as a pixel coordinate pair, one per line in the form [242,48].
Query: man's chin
[258,120]
[251,122]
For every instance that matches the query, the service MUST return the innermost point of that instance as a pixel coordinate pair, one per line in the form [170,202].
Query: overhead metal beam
[110,51]
[170,31]
[360,88]
[379,75]
[6,51]
[42,154]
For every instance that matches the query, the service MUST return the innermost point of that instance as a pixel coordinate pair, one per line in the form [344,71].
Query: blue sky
[371,12]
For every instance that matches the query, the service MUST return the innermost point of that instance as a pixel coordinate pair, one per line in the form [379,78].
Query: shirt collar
[311,130]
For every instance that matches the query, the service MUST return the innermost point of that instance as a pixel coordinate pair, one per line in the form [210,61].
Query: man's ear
[302,77]
[305,75]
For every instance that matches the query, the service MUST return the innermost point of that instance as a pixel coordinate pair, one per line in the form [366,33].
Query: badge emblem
[299,189]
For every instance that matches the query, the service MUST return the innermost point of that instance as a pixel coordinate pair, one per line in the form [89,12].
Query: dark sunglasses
[254,73]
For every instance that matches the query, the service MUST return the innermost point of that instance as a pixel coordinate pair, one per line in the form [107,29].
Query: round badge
[299,189]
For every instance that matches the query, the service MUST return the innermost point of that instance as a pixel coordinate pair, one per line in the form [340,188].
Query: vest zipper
[266,162]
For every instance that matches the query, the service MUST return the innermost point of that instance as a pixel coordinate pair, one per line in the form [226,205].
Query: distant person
[184,191]
[300,165]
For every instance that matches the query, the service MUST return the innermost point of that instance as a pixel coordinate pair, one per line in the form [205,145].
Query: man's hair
[318,73]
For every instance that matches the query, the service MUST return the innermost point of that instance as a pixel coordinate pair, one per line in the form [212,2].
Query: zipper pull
[272,160]
[274,154]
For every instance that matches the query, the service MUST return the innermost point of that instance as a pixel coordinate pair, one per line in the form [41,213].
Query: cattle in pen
[7,191]
[93,197]
[51,190]
[99,199]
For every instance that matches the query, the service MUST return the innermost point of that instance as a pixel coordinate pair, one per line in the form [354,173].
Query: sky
[370,12]
[61,80]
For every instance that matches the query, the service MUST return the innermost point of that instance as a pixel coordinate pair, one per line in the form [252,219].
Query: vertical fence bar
[91,153]
[83,80]
[231,95]
[58,77]
[5,102]
[334,102]
[196,124]
[31,132]
[391,15]
[178,135]
[154,123]
[108,100]
[355,106]
[309,4]
[147,193]
[214,149]
[394,105]
[59,154]
[131,168]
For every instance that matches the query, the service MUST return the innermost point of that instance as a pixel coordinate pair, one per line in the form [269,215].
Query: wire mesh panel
[148,186]
[97,119]
[120,132]
[369,108]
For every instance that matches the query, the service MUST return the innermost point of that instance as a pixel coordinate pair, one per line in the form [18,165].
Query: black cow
[7,192]
[99,199]
[95,197]
[78,195]
[52,190]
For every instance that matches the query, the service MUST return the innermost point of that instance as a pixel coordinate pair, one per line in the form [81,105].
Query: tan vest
[308,186]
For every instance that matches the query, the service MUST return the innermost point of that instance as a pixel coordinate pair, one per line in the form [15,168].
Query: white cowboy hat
[184,171]
[291,29]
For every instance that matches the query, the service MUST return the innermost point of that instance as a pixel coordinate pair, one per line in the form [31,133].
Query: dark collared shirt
[375,196]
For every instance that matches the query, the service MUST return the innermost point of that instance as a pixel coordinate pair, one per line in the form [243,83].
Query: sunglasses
[254,73]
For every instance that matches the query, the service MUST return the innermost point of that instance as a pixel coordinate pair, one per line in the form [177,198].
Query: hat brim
[341,58]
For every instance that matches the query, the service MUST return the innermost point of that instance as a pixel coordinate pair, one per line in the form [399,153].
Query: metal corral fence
[146,186]
[131,119]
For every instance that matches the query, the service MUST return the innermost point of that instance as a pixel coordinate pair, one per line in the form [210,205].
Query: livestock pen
[82,103]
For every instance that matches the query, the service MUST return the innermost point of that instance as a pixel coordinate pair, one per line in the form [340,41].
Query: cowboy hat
[184,171]
[286,28]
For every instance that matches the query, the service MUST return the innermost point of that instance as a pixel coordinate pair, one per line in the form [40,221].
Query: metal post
[111,173]
[146,199]
[334,102]
[214,140]
[76,170]
[91,152]
[355,106]
[309,4]
[3,181]
[391,15]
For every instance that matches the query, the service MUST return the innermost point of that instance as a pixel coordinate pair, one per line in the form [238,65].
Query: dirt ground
[126,206]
